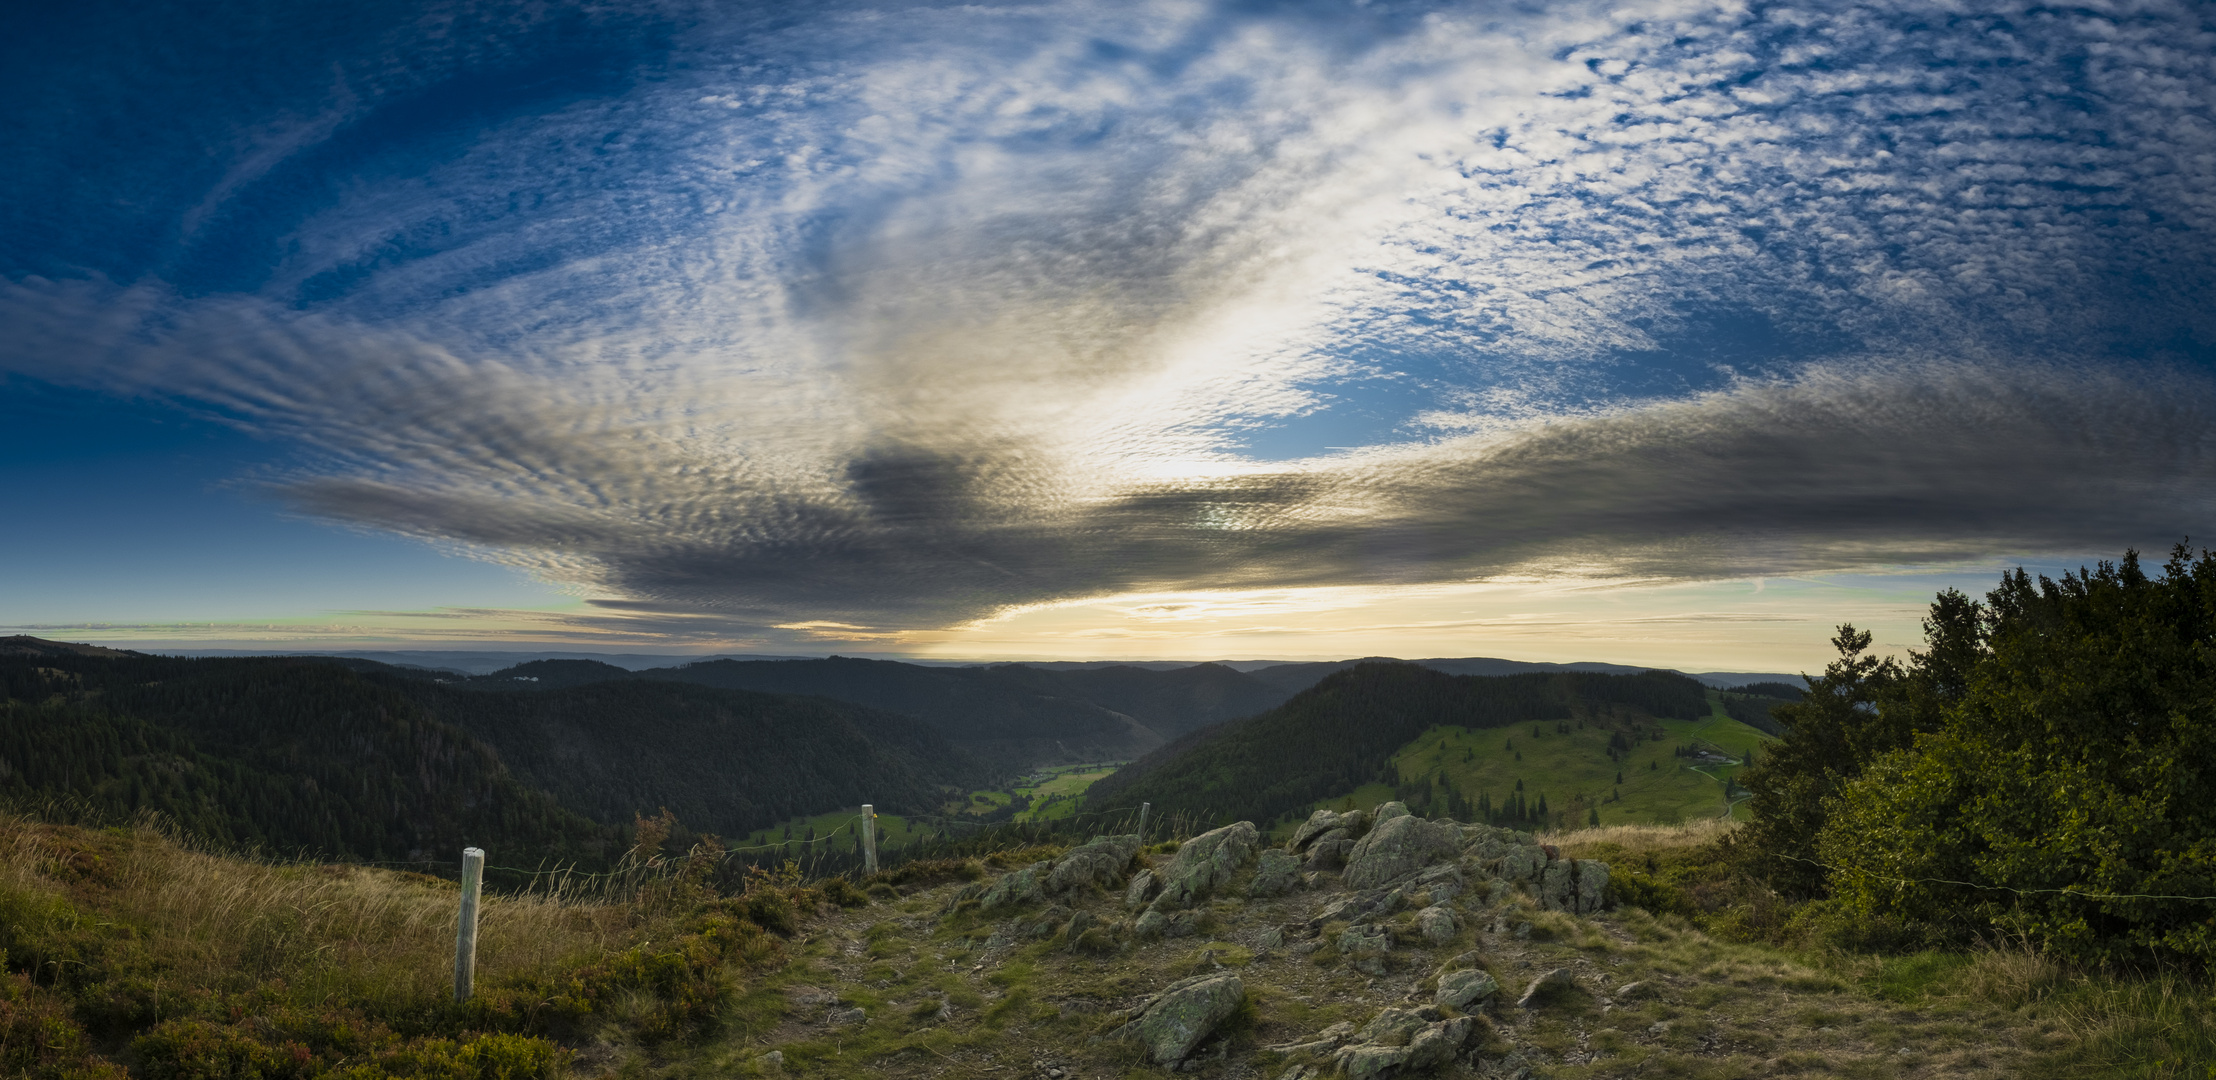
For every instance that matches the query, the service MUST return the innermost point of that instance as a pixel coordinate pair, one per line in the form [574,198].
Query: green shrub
[39,1040]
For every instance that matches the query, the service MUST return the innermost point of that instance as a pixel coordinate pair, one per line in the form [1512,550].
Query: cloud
[890,318]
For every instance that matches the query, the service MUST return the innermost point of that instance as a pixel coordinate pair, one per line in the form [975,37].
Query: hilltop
[1343,734]
[1378,944]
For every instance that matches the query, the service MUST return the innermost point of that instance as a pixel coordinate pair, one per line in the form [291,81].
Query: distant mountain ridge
[486,662]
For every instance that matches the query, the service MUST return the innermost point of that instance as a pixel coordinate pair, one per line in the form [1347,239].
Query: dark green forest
[355,761]
[1338,735]
[289,756]
[1009,716]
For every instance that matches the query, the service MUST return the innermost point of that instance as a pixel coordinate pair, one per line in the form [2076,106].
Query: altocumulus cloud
[894,316]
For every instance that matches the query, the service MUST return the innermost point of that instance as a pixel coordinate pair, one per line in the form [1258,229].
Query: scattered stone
[846,1017]
[1436,924]
[1100,861]
[1365,948]
[1632,991]
[1277,873]
[1271,937]
[1047,923]
[1461,989]
[1204,863]
[774,1061]
[1541,986]
[1323,823]
[1398,846]
[1142,889]
[1171,1023]
[1659,1027]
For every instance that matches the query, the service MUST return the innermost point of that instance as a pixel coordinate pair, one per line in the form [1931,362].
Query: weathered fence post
[869,838]
[465,936]
[1142,820]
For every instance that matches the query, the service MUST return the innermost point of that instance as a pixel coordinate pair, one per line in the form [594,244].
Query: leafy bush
[2041,770]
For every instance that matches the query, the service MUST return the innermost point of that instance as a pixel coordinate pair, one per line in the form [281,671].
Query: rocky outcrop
[1329,851]
[1016,888]
[1205,863]
[1099,862]
[1403,1041]
[1174,1021]
[1579,886]
[1400,845]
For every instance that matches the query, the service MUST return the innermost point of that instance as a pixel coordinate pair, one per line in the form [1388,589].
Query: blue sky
[1087,329]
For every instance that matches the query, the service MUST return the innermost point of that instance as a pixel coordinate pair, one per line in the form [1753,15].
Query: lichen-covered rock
[1149,925]
[1440,883]
[1365,940]
[1436,924]
[1322,823]
[1523,862]
[1557,979]
[1387,812]
[1156,923]
[1365,948]
[1171,1023]
[1277,872]
[1461,989]
[1016,888]
[1404,1042]
[1142,889]
[1592,885]
[1393,1026]
[1099,861]
[1397,847]
[1329,851]
[1205,863]
[1046,923]
[1579,886]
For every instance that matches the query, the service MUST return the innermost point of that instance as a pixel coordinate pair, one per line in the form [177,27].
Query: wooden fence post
[1143,807]
[869,838]
[465,937]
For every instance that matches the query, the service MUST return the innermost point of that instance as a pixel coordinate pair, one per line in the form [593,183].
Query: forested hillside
[354,760]
[724,761]
[1338,735]
[283,754]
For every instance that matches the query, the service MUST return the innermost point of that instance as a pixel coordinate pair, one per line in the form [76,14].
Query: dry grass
[1643,837]
[225,923]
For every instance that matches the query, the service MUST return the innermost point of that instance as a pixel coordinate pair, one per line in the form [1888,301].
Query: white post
[869,838]
[465,937]
[1142,820]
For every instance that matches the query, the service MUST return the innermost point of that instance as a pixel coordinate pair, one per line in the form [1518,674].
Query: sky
[1671,332]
